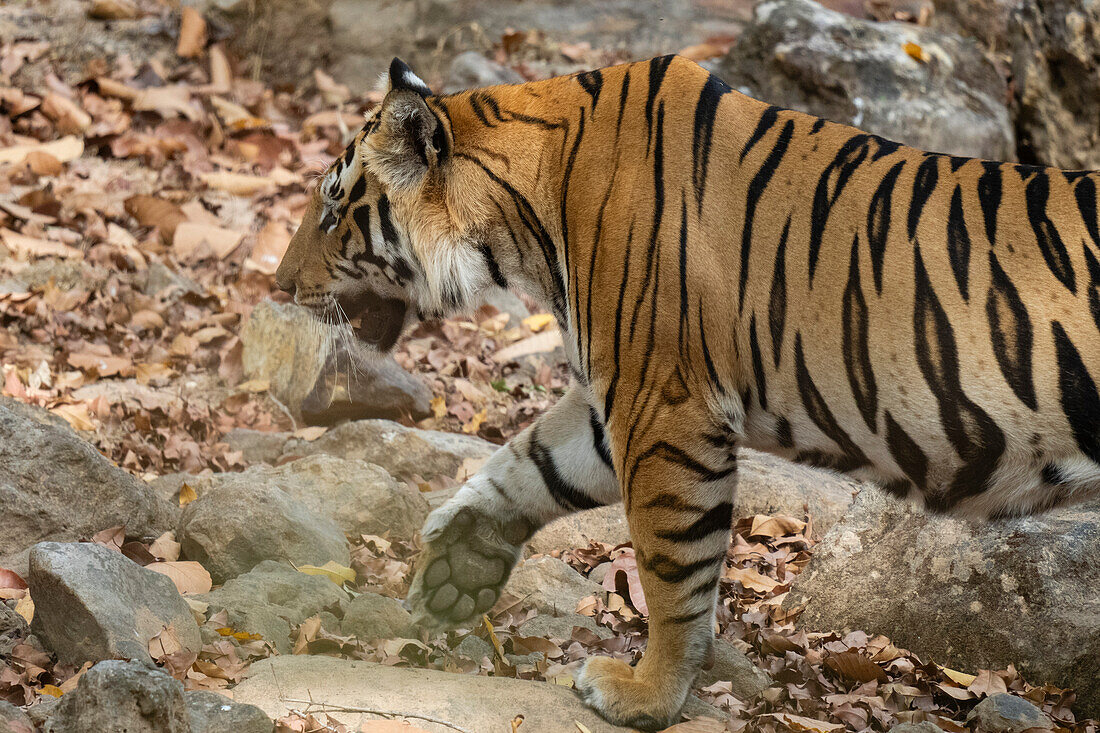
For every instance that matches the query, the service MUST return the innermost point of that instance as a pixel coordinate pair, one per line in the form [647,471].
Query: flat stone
[604,524]
[373,616]
[731,665]
[1005,713]
[211,712]
[561,627]
[549,585]
[768,484]
[92,603]
[230,529]
[472,702]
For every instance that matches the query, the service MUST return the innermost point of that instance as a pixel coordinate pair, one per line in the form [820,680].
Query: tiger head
[378,241]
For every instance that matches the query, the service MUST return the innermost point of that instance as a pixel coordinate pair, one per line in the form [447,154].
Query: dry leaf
[165,547]
[187,495]
[388,726]
[69,117]
[43,164]
[538,321]
[542,343]
[777,526]
[238,184]
[802,724]
[189,577]
[11,579]
[310,434]
[959,678]
[751,579]
[113,10]
[439,406]
[915,52]
[332,570]
[166,101]
[25,608]
[65,149]
[192,33]
[191,241]
[267,252]
[855,666]
[33,247]
[151,211]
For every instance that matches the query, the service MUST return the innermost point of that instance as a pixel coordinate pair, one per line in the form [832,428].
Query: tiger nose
[288,287]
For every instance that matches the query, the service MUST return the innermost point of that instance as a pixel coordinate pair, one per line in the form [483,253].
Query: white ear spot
[411,80]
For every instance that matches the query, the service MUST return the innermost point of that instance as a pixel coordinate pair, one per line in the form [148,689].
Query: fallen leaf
[332,570]
[187,495]
[189,576]
[538,321]
[751,579]
[11,579]
[192,33]
[113,10]
[65,149]
[25,608]
[915,52]
[802,724]
[855,666]
[311,433]
[959,678]
[238,184]
[165,547]
[151,211]
[775,526]
[191,240]
[542,343]
[439,406]
[33,247]
[51,690]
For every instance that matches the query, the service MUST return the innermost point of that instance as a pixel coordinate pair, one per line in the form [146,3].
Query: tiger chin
[725,273]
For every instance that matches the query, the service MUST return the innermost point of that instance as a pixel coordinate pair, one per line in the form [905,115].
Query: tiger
[725,273]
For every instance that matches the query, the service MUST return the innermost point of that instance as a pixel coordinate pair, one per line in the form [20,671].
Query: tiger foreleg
[556,466]
[679,505]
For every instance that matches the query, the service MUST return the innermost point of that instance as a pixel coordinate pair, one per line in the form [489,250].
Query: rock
[508,302]
[976,595]
[1004,713]
[359,497]
[14,720]
[605,524]
[371,616]
[56,486]
[272,598]
[34,412]
[799,55]
[471,702]
[923,727]
[313,376]
[400,450]
[160,281]
[211,712]
[561,627]
[92,603]
[473,647]
[13,629]
[731,665]
[40,712]
[122,697]
[549,585]
[472,70]
[233,528]
[256,446]
[767,484]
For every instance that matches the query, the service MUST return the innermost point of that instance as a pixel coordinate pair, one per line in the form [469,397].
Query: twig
[329,707]
[286,410]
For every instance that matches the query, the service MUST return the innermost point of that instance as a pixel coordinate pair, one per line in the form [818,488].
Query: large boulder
[358,496]
[92,603]
[313,375]
[56,486]
[732,665]
[767,484]
[271,599]
[968,595]
[550,586]
[122,697]
[470,702]
[400,450]
[231,529]
[918,86]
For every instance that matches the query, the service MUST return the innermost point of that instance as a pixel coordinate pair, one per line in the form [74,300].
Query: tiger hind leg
[679,507]
[556,466]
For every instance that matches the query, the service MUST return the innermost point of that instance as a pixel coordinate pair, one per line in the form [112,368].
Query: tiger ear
[410,139]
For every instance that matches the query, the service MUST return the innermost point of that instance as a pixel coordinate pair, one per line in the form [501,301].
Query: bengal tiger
[725,273]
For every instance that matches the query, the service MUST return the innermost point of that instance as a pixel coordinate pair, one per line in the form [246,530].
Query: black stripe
[923,186]
[989,196]
[766,122]
[1010,332]
[712,372]
[1080,402]
[1085,193]
[599,439]
[674,501]
[665,451]
[657,68]
[856,347]
[687,618]
[718,518]
[624,92]
[757,365]
[783,433]
[609,396]
[1093,266]
[706,110]
[592,82]
[818,410]
[829,187]
[1046,234]
[777,301]
[564,493]
[756,189]
[907,454]
[492,265]
[671,570]
[683,325]
[958,243]
[878,221]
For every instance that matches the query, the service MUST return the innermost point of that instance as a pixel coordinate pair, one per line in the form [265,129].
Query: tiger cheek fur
[727,273]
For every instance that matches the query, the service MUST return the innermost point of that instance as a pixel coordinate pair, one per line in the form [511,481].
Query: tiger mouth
[376,321]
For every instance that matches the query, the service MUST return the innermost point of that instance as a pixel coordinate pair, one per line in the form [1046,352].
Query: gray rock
[359,497]
[158,280]
[976,595]
[561,627]
[92,603]
[508,302]
[14,720]
[800,55]
[13,629]
[1004,713]
[401,451]
[922,727]
[272,598]
[231,529]
[122,697]
[604,524]
[214,713]
[56,486]
[550,586]
[731,665]
[474,647]
[285,345]
[371,616]
[767,484]
[472,70]
[34,412]
[521,659]
[40,712]
[256,446]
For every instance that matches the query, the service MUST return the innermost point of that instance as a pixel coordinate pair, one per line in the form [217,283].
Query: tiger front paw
[625,697]
[466,561]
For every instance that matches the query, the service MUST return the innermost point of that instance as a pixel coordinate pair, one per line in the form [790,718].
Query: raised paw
[467,558]
[623,696]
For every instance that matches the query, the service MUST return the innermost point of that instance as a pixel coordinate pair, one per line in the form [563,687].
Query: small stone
[1005,713]
[93,603]
[14,720]
[471,70]
[214,713]
[604,524]
[561,627]
[271,599]
[549,585]
[922,727]
[520,659]
[13,629]
[508,302]
[474,647]
[122,697]
[233,528]
[372,616]
[731,665]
